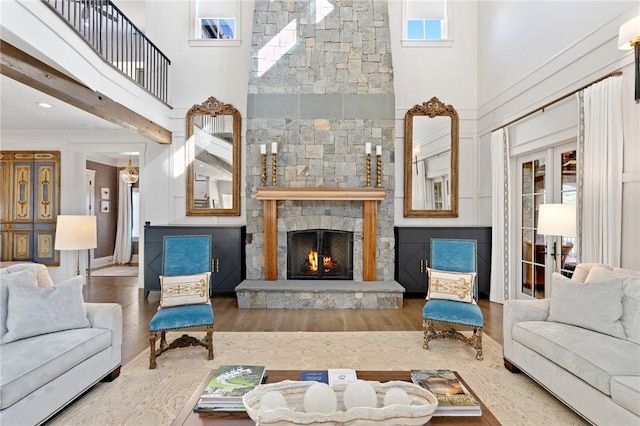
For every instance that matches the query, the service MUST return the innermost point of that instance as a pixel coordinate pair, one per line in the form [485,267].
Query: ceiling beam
[18,65]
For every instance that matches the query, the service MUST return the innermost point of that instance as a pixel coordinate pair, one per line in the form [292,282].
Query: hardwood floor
[137,312]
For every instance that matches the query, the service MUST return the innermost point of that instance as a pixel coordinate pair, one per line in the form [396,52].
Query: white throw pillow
[456,286]
[25,277]
[178,290]
[630,299]
[33,311]
[42,273]
[595,306]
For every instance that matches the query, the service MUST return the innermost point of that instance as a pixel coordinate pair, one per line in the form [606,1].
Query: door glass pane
[533,247]
[568,255]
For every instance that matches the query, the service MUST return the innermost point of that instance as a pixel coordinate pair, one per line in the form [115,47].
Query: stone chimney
[320,87]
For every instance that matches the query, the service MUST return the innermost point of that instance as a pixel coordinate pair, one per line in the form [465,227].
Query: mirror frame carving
[213,107]
[433,108]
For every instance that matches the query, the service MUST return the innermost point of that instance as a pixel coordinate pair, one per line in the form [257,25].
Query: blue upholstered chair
[184,255]
[453,256]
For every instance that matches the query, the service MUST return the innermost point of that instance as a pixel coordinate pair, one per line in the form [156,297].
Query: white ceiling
[19,111]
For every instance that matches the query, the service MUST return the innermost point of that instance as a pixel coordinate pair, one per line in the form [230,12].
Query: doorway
[547,176]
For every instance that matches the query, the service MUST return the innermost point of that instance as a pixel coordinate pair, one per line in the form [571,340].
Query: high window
[425,23]
[215,22]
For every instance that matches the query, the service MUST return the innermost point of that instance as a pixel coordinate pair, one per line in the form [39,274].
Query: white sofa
[582,343]
[46,360]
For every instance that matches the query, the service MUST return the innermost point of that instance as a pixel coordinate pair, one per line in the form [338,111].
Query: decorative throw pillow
[630,298]
[178,290]
[33,311]
[26,277]
[595,306]
[456,286]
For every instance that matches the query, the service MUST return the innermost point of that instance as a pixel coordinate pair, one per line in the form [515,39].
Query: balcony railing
[120,43]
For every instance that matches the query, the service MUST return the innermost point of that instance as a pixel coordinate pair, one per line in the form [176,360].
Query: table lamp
[557,220]
[76,233]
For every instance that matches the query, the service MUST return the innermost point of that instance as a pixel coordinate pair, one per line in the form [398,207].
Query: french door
[547,176]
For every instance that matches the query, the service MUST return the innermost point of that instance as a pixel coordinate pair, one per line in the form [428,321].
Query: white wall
[449,73]
[531,53]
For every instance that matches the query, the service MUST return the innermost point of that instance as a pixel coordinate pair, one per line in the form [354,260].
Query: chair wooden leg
[429,333]
[152,352]
[210,342]
[477,343]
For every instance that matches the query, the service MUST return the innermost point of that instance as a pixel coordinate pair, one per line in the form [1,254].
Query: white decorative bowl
[423,404]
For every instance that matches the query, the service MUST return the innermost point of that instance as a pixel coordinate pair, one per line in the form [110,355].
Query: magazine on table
[227,387]
[454,398]
[331,376]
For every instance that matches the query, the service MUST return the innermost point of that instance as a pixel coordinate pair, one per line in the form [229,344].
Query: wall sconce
[129,174]
[557,220]
[629,38]
[76,233]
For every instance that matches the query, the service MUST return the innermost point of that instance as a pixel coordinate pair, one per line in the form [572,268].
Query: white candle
[274,147]
[367,148]
[379,150]
[263,149]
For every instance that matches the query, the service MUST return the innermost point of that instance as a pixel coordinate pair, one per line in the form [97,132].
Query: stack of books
[227,387]
[331,376]
[453,398]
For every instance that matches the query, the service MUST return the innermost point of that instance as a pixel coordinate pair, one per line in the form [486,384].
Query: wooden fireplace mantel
[369,196]
[321,194]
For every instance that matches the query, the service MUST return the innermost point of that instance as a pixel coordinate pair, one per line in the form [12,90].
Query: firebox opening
[320,254]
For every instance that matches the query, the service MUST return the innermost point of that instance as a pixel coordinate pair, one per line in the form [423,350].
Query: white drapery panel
[600,172]
[419,199]
[501,262]
[122,251]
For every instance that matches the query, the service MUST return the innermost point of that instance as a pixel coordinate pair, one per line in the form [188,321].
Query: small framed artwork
[104,193]
[200,178]
[104,206]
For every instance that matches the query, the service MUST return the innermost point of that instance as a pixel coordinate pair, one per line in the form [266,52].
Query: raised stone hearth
[326,294]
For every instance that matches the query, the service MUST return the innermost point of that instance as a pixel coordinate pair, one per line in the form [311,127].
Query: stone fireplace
[320,87]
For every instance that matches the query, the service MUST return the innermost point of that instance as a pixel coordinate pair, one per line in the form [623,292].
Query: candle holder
[273,169]
[264,169]
[368,169]
[379,171]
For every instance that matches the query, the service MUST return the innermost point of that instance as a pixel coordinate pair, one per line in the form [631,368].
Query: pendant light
[129,174]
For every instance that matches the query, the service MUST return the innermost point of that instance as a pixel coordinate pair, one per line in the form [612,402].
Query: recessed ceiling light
[43,104]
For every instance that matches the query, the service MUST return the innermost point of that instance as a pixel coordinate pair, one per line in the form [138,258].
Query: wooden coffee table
[187,417]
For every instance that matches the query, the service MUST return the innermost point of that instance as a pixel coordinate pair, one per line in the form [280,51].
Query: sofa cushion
[591,356]
[42,273]
[29,364]
[32,311]
[630,297]
[24,277]
[625,390]
[581,271]
[595,306]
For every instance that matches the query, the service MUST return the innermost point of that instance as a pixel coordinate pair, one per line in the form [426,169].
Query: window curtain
[600,142]
[419,199]
[123,251]
[501,250]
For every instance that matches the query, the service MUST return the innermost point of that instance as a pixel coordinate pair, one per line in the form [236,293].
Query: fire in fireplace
[320,254]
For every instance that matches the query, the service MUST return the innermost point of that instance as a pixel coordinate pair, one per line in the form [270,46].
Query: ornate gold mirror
[213,159]
[431,160]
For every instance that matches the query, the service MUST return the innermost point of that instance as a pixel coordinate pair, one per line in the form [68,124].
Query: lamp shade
[76,232]
[557,219]
[629,34]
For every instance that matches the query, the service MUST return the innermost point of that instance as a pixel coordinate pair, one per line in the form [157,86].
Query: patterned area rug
[154,397]
[116,271]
